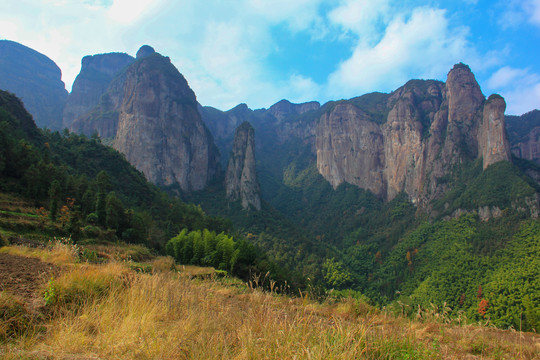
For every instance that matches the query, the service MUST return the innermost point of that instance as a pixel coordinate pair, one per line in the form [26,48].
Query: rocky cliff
[241,178]
[524,135]
[152,115]
[36,80]
[492,137]
[426,130]
[411,140]
[97,72]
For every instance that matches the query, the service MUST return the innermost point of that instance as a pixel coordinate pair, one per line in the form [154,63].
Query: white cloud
[518,12]
[532,7]
[130,11]
[298,14]
[302,89]
[361,17]
[519,87]
[522,99]
[505,76]
[422,45]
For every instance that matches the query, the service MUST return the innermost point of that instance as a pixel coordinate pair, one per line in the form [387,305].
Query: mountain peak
[144,51]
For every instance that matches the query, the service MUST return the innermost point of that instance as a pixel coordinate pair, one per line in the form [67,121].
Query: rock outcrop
[411,140]
[492,138]
[524,135]
[36,80]
[152,114]
[144,51]
[97,72]
[241,178]
[429,128]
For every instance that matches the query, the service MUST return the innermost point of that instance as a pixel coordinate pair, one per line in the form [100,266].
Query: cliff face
[408,141]
[350,148]
[36,80]
[96,74]
[493,142]
[241,178]
[151,112]
[430,127]
[524,135]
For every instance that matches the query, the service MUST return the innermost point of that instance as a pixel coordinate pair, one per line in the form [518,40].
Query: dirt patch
[22,276]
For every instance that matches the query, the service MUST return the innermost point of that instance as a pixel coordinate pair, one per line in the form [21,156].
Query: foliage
[502,184]
[206,248]
[335,274]
[86,187]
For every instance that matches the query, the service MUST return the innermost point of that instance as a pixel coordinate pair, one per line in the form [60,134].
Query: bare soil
[24,276]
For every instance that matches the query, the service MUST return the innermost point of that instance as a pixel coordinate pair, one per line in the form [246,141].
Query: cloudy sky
[261,51]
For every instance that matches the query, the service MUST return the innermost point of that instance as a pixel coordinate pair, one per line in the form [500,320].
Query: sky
[261,51]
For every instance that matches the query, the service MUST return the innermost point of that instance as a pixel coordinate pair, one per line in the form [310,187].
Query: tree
[103,185]
[54,199]
[335,274]
[114,211]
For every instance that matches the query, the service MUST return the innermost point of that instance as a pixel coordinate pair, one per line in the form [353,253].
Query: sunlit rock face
[427,128]
[152,115]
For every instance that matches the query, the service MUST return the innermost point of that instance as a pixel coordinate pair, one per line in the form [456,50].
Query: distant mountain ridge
[36,80]
[524,135]
[407,141]
[387,143]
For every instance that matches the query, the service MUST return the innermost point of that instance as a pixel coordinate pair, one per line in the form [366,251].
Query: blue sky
[259,52]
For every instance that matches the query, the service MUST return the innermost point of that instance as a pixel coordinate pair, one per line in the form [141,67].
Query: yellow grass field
[109,311]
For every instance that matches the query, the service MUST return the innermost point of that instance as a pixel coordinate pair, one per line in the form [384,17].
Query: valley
[389,225]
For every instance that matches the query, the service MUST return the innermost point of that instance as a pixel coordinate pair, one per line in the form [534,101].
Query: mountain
[97,72]
[241,181]
[152,115]
[524,135]
[36,80]
[407,141]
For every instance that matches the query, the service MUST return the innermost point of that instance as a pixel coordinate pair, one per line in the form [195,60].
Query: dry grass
[59,252]
[123,315]
[121,252]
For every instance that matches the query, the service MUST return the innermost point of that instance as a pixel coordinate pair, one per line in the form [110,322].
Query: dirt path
[22,276]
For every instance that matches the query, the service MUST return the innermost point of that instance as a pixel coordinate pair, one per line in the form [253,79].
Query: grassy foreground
[156,310]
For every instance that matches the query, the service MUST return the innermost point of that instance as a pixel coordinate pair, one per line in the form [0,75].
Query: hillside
[154,309]
[91,187]
[456,194]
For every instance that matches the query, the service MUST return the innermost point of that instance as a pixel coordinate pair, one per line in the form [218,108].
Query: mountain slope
[36,80]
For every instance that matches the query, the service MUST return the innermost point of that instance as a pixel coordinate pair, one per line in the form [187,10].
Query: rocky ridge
[407,141]
[524,135]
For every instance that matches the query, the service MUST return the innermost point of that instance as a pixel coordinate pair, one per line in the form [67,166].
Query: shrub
[91,231]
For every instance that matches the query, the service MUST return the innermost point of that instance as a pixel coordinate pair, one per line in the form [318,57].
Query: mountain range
[406,141]
[384,193]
